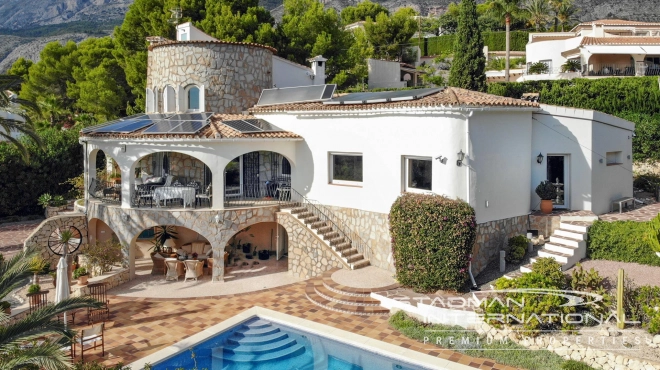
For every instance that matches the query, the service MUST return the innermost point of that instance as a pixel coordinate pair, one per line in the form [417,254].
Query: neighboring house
[339,162]
[608,47]
[391,74]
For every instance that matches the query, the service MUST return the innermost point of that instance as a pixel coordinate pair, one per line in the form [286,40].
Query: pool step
[258,341]
[328,294]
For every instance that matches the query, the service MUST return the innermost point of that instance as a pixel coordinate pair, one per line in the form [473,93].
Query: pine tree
[467,69]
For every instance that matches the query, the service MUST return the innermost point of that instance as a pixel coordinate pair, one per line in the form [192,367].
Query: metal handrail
[326,215]
[101,189]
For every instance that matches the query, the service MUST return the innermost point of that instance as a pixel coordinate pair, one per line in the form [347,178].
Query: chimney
[318,68]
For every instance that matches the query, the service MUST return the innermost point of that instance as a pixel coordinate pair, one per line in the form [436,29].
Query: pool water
[259,344]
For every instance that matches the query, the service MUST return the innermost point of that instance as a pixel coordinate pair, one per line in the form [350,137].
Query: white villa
[246,153]
[607,47]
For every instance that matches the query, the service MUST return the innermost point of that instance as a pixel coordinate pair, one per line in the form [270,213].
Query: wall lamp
[217,219]
[539,158]
[461,156]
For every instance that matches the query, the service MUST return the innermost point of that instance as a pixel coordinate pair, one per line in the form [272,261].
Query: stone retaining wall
[374,229]
[116,277]
[596,358]
[40,235]
[492,237]
[308,255]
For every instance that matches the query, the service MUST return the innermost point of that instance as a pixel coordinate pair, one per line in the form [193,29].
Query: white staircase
[567,245]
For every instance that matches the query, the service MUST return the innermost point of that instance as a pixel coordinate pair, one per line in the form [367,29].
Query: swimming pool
[260,339]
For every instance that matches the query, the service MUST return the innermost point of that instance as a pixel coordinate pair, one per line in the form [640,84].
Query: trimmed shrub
[432,238]
[643,307]
[517,249]
[538,68]
[34,288]
[625,241]
[496,41]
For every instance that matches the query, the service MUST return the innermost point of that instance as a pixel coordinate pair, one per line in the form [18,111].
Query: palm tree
[507,10]
[566,14]
[538,12]
[12,106]
[38,324]
[555,5]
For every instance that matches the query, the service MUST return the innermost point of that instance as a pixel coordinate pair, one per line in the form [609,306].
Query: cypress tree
[469,64]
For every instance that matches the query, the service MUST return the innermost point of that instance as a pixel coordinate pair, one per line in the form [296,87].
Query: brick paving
[13,234]
[141,326]
[644,213]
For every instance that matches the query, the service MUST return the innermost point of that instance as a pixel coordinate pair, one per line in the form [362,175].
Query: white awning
[623,49]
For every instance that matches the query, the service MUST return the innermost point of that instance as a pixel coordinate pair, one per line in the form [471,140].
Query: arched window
[169,99]
[286,166]
[193,98]
[150,101]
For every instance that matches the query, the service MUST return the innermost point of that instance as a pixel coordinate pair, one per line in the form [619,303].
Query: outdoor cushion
[181,252]
[155,180]
[198,247]
[187,248]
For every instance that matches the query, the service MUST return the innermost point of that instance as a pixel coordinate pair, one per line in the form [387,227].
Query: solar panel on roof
[188,127]
[134,126]
[106,124]
[382,97]
[116,126]
[191,116]
[161,127]
[263,124]
[242,126]
[296,94]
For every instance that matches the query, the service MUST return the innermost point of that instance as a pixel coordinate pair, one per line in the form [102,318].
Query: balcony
[608,69]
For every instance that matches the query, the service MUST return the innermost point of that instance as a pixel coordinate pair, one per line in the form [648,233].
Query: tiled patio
[644,213]
[140,326]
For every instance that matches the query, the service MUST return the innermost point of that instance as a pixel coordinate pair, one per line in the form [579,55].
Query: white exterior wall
[289,74]
[562,134]
[611,182]
[551,50]
[500,164]
[384,74]
[383,139]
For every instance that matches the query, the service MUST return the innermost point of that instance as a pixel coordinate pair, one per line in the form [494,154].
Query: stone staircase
[331,235]
[567,245]
[326,293]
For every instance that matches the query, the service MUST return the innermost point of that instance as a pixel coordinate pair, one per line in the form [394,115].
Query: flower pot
[82,280]
[546,206]
[8,311]
[264,255]
[246,248]
[248,256]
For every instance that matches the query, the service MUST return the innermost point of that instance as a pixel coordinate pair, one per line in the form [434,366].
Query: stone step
[354,257]
[349,252]
[318,224]
[331,235]
[360,264]
[561,248]
[323,230]
[513,275]
[342,246]
[568,241]
[559,257]
[298,210]
[526,268]
[311,294]
[564,266]
[581,227]
[334,296]
[337,240]
[310,219]
[571,234]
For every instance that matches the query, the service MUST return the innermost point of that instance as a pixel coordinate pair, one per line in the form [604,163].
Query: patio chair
[205,196]
[194,269]
[97,291]
[93,335]
[174,269]
[37,300]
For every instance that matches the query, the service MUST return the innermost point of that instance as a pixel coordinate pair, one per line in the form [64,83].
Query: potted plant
[81,274]
[52,204]
[161,235]
[194,255]
[33,295]
[247,247]
[37,265]
[264,254]
[547,192]
[6,307]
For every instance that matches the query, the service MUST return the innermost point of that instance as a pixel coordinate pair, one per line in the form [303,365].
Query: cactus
[620,314]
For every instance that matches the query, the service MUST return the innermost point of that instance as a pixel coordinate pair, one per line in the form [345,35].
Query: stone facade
[232,75]
[595,358]
[40,235]
[309,256]
[492,237]
[374,229]
[112,279]
[181,165]
[546,225]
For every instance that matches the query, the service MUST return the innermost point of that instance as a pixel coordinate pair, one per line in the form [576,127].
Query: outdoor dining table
[175,192]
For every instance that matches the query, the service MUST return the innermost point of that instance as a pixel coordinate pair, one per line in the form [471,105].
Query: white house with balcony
[313,173]
[607,47]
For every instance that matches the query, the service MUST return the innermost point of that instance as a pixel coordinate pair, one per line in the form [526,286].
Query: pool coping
[369,344]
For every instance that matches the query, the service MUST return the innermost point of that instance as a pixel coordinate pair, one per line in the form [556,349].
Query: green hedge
[625,241]
[636,99]
[22,184]
[432,238]
[496,41]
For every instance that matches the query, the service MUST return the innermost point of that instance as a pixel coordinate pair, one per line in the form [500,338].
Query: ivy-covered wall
[496,41]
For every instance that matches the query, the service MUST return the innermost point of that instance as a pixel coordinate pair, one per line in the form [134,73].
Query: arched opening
[260,177]
[193,98]
[156,245]
[103,248]
[105,179]
[260,249]
[169,99]
[172,179]
[150,108]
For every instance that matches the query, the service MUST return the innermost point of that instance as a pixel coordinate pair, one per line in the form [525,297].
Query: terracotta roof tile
[214,130]
[450,96]
[190,42]
[621,40]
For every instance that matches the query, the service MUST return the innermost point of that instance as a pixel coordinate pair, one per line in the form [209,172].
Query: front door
[557,173]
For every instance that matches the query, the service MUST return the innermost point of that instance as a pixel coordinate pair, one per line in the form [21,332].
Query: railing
[326,215]
[255,195]
[107,192]
[143,196]
[608,69]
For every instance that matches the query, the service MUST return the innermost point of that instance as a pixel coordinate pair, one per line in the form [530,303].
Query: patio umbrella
[62,285]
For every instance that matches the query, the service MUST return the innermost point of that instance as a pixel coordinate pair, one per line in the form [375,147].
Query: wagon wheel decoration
[68,237]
